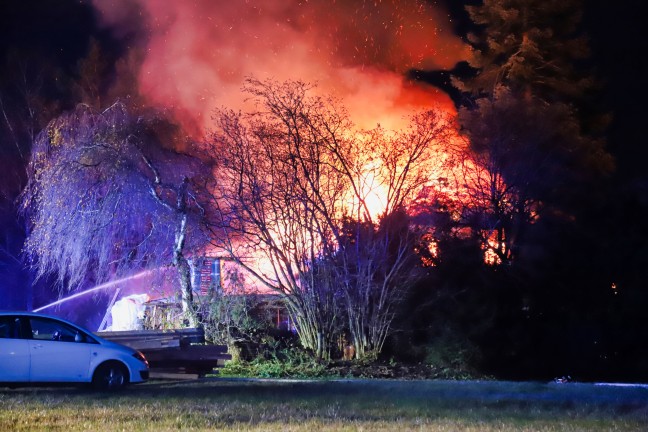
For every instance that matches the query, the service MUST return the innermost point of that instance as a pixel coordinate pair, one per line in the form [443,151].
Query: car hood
[107,343]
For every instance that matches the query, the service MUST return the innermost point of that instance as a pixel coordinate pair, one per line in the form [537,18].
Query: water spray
[97,288]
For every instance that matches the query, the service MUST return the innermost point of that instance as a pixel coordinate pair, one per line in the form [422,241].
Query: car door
[57,353]
[14,351]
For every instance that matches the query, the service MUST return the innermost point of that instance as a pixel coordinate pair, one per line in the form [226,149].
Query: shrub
[453,353]
[284,363]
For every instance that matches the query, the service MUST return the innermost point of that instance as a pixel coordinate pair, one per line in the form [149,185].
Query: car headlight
[139,356]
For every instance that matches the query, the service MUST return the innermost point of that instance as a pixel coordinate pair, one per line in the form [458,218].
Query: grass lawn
[353,405]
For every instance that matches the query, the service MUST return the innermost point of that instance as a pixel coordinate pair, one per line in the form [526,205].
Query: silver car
[40,349]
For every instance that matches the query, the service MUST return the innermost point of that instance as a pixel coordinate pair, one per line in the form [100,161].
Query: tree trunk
[179,260]
[184,273]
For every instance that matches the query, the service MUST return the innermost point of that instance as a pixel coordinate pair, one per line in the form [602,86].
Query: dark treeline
[558,125]
[53,55]
[570,300]
[41,43]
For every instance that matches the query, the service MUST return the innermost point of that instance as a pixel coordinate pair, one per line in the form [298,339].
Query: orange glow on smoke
[200,51]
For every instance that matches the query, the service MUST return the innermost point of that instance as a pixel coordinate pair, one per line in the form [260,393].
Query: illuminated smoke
[199,52]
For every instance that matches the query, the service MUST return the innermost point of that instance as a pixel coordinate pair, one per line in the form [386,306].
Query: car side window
[46,329]
[9,327]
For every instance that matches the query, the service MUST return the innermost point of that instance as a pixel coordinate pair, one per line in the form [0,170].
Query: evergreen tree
[530,46]
[526,132]
[536,164]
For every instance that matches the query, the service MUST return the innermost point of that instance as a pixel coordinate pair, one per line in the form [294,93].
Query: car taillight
[139,356]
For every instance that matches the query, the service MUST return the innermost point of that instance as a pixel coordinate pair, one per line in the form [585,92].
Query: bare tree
[105,198]
[277,185]
[289,175]
[374,267]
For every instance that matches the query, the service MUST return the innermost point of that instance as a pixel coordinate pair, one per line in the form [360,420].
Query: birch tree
[105,198]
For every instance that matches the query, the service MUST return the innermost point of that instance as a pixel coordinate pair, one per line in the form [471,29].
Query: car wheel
[110,376]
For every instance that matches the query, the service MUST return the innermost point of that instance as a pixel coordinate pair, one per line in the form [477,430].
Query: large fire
[200,51]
